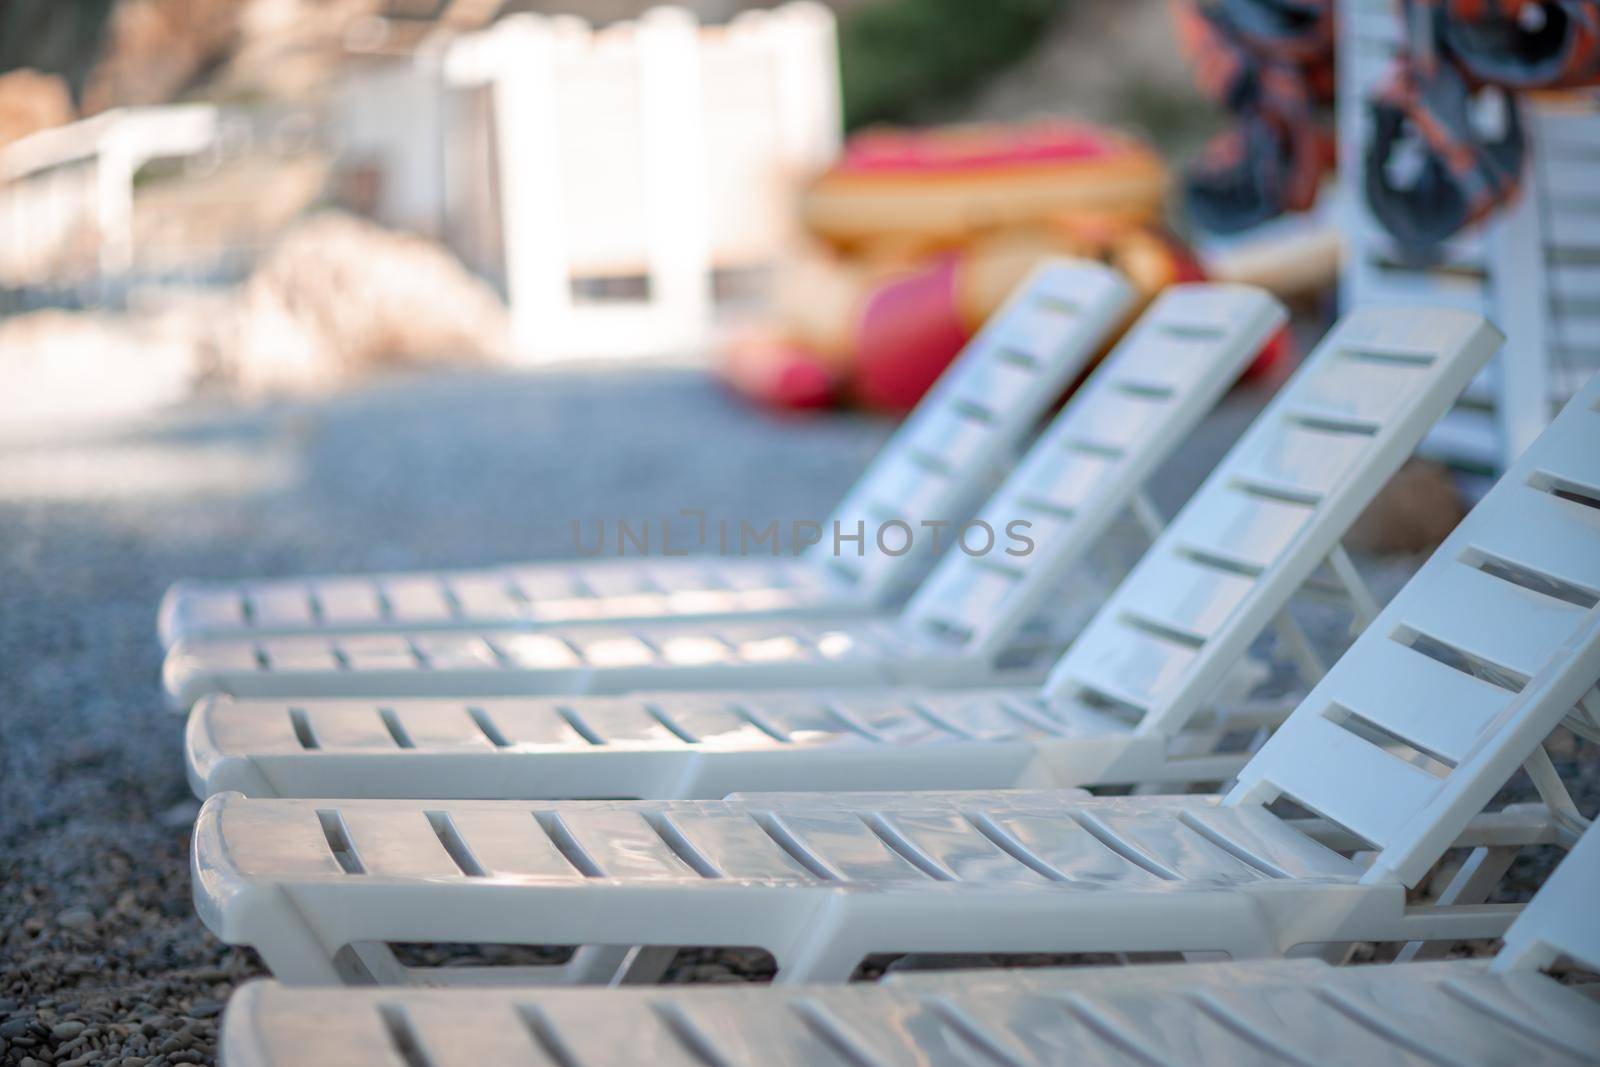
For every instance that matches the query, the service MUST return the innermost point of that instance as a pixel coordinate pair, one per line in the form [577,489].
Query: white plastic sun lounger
[1260,1012]
[1127,704]
[1492,645]
[1087,469]
[963,435]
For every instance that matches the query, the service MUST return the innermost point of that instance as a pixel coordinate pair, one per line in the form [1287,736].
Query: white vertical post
[678,226]
[804,40]
[1522,307]
[527,133]
[114,169]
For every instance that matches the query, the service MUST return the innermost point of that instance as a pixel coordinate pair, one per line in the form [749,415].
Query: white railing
[68,192]
[1534,269]
[655,150]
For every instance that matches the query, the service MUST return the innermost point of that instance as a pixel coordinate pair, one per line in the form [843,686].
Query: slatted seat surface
[1270,513]
[1261,1011]
[287,875]
[1188,613]
[936,467]
[1134,841]
[1213,1014]
[1442,684]
[1180,358]
[651,745]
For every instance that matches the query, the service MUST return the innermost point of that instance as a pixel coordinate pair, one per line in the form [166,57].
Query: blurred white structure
[69,190]
[654,153]
[1534,269]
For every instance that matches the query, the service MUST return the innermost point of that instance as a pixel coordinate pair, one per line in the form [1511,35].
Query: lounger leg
[823,958]
[595,965]
[1147,515]
[295,956]
[1305,657]
[645,965]
[376,962]
[1472,884]
[1362,603]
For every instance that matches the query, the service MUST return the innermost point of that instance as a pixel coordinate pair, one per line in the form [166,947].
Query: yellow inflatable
[914,238]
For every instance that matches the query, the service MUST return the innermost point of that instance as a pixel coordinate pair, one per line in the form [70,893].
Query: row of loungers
[401,759]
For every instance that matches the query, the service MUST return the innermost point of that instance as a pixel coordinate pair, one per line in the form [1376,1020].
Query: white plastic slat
[510,844]
[1355,783]
[1070,849]
[1437,708]
[499,1034]
[1041,325]
[274,842]
[1363,391]
[1183,595]
[1299,461]
[996,383]
[373,652]
[1114,660]
[907,488]
[1576,282]
[418,599]
[530,722]
[454,651]
[344,725]
[846,846]
[950,843]
[1176,847]
[1488,617]
[1578,232]
[947,438]
[296,654]
[485,596]
[623,844]
[622,722]
[552,581]
[736,845]
[1060,479]
[275,606]
[396,847]
[1568,175]
[973,592]
[1578,328]
[1244,529]
[776,1034]
[432,731]
[1118,420]
[1552,535]
[351,600]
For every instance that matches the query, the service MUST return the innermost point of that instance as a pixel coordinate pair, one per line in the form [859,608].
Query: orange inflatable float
[913,238]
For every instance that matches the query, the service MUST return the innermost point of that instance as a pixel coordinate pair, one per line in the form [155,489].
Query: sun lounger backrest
[1132,413]
[1465,672]
[970,425]
[1563,918]
[1271,512]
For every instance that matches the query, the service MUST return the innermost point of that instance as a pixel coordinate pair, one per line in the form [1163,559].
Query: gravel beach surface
[101,957]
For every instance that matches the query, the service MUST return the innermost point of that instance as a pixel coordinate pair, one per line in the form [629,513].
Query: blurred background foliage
[58,36]
[899,56]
